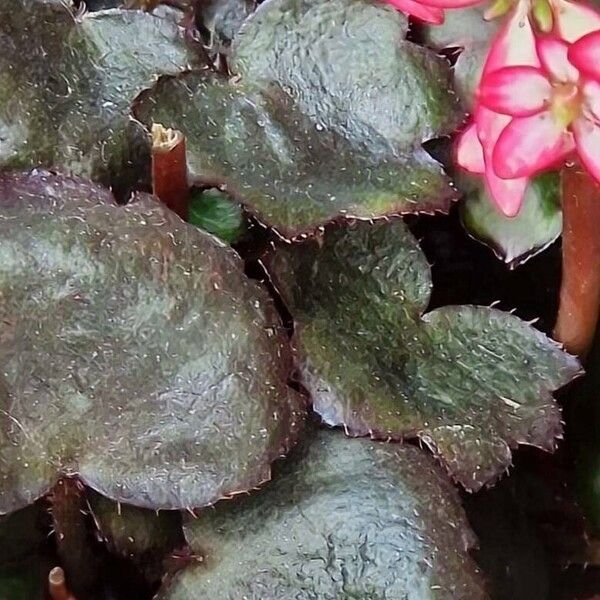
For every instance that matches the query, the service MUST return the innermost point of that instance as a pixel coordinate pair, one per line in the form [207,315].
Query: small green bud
[542,15]
[497,9]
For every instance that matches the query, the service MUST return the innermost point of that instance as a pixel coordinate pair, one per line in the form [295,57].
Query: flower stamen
[566,103]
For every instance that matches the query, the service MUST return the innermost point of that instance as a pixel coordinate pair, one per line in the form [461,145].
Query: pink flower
[430,11]
[485,148]
[574,20]
[552,113]
[514,45]
[585,55]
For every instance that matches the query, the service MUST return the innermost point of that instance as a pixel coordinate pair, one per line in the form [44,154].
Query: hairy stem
[73,539]
[580,287]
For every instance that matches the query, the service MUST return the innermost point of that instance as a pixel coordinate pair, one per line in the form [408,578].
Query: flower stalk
[580,287]
[169,169]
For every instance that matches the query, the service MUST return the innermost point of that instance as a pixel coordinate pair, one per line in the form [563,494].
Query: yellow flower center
[566,103]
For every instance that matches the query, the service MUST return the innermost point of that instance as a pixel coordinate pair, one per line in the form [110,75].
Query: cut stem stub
[57,585]
[169,168]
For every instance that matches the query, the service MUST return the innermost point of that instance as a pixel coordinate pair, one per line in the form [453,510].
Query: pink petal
[514,44]
[553,54]
[591,96]
[451,3]
[529,145]
[506,193]
[585,55]
[587,140]
[518,91]
[469,152]
[575,19]
[428,14]
[490,125]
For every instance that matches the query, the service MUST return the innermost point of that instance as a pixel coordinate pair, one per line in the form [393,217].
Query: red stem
[169,169]
[580,287]
[73,540]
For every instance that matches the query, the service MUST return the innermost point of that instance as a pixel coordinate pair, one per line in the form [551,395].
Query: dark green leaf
[349,80]
[135,532]
[514,240]
[461,28]
[350,519]
[134,352]
[222,20]
[67,82]
[300,144]
[465,29]
[216,213]
[147,538]
[471,382]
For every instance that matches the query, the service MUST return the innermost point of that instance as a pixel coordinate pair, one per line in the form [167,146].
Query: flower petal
[585,55]
[489,126]
[518,91]
[553,54]
[587,141]
[514,44]
[469,152]
[451,3]
[591,97]
[428,14]
[529,145]
[506,193]
[575,19]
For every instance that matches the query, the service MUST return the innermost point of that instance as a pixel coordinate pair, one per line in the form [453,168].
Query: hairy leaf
[471,382]
[466,30]
[135,532]
[301,142]
[516,239]
[67,81]
[134,352]
[349,519]
[222,20]
[149,539]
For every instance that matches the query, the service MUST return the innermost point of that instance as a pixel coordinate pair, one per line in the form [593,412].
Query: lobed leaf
[339,132]
[470,382]
[67,82]
[134,350]
[345,519]
[467,31]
